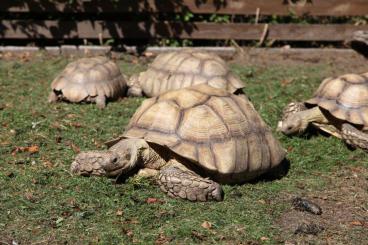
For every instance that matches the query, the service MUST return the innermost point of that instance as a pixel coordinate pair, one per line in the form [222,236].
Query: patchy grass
[41,202]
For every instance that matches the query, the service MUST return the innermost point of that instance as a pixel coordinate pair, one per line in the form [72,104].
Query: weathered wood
[243,7]
[51,29]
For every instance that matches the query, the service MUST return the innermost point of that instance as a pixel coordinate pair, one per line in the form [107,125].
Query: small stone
[305,205]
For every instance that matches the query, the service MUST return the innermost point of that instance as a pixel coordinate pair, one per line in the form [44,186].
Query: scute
[220,132]
[345,97]
[185,68]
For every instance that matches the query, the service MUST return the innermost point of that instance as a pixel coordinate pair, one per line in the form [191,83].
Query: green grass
[41,202]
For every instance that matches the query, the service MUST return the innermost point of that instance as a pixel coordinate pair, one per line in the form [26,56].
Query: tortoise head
[134,89]
[293,124]
[119,159]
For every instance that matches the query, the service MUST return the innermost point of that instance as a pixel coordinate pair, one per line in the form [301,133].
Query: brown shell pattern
[90,77]
[186,68]
[345,97]
[219,131]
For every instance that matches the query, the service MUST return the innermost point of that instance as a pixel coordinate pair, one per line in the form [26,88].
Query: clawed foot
[187,185]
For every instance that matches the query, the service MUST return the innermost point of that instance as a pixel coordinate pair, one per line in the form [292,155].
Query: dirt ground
[344,210]
[340,60]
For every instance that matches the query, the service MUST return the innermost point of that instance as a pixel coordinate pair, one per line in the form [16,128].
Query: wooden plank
[243,7]
[10,29]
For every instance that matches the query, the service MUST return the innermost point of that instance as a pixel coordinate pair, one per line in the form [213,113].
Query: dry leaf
[357,223]
[31,149]
[286,82]
[47,164]
[119,212]
[75,124]
[153,200]
[206,225]
[162,239]
[264,238]
[75,148]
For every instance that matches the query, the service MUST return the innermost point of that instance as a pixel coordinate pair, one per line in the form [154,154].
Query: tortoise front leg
[354,137]
[101,101]
[178,181]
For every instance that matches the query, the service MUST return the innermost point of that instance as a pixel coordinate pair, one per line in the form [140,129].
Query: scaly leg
[178,181]
[354,137]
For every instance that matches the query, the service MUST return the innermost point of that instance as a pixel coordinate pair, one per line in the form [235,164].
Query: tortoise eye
[114,160]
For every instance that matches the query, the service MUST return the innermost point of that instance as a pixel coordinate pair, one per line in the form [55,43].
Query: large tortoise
[339,107]
[192,139]
[89,80]
[179,69]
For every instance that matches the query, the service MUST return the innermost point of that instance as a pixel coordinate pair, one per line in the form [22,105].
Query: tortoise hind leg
[178,181]
[354,137]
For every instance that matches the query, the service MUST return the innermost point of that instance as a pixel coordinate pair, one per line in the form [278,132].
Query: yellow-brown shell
[345,97]
[218,131]
[90,77]
[180,69]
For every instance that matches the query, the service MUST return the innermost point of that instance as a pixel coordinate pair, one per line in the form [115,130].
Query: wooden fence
[96,19]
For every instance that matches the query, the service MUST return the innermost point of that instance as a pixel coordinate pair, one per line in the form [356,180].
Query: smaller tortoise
[180,69]
[359,42]
[191,139]
[89,80]
[339,107]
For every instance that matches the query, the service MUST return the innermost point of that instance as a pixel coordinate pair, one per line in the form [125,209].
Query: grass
[40,202]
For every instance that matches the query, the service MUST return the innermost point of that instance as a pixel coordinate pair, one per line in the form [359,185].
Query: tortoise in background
[192,139]
[359,42]
[339,107]
[88,80]
[180,69]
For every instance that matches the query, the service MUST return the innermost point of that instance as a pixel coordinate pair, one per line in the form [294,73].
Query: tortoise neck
[313,115]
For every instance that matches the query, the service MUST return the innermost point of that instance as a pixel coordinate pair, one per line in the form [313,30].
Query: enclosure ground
[40,202]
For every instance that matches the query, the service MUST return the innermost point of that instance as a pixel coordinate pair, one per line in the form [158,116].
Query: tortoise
[359,42]
[179,69]
[192,139]
[338,107]
[89,80]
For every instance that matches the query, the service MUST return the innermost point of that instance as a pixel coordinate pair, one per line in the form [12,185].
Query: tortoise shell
[89,77]
[216,130]
[186,68]
[345,97]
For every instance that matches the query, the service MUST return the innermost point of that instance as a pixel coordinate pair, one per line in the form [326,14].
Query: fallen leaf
[119,212]
[47,164]
[75,124]
[286,82]
[206,225]
[31,149]
[356,223]
[264,238]
[162,239]
[71,115]
[75,148]
[129,233]
[151,200]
